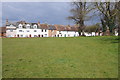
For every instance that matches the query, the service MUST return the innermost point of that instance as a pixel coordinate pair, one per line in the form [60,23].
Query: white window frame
[35,30]
[20,30]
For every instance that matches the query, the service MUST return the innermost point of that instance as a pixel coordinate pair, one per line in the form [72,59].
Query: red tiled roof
[66,28]
[44,26]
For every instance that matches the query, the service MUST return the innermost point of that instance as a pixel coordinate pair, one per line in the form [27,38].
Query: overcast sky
[45,12]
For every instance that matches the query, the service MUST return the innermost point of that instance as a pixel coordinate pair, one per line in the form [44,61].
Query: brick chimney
[6,21]
[38,23]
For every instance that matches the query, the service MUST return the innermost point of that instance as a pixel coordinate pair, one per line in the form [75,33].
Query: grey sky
[45,12]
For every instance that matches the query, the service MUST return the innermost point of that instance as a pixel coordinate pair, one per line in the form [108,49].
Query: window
[45,30]
[26,35]
[20,25]
[35,30]
[74,35]
[59,32]
[35,35]
[39,35]
[35,26]
[28,31]
[21,35]
[45,35]
[42,30]
[11,30]
[20,30]
[52,30]
[28,26]
[65,35]
[58,35]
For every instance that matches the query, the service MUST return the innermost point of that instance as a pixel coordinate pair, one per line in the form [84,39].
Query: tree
[93,28]
[117,6]
[108,15]
[80,14]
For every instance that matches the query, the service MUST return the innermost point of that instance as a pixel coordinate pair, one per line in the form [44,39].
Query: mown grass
[0,58]
[77,57]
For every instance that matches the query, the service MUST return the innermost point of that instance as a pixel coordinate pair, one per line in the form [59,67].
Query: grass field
[0,58]
[77,57]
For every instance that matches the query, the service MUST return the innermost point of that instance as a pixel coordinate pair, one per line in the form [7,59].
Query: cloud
[0,14]
[45,12]
[59,0]
[51,12]
[36,0]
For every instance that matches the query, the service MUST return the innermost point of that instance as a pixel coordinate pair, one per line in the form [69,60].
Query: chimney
[6,21]
[23,22]
[68,25]
[38,22]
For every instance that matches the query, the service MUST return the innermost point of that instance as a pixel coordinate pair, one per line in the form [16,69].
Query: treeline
[93,28]
[108,12]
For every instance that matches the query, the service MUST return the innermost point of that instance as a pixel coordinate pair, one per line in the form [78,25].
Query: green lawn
[0,58]
[77,57]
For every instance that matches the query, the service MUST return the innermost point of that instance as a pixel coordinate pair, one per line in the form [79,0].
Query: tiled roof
[10,23]
[46,26]
[59,27]
[66,28]
[74,28]
[43,26]
[52,27]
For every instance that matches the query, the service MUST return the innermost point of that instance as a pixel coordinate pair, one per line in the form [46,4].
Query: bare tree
[108,13]
[118,16]
[80,13]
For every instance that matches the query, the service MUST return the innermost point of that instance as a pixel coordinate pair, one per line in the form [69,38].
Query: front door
[30,35]
[18,35]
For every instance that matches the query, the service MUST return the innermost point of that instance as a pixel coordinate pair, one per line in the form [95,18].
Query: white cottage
[23,29]
[66,31]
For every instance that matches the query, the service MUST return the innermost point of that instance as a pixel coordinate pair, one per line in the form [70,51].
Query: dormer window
[20,25]
[11,25]
[28,26]
[35,26]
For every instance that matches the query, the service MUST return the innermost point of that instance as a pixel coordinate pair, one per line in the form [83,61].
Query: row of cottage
[24,29]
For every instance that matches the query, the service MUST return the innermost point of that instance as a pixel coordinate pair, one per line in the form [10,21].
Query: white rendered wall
[10,34]
[67,33]
[93,33]
[116,33]
[31,32]
[10,31]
